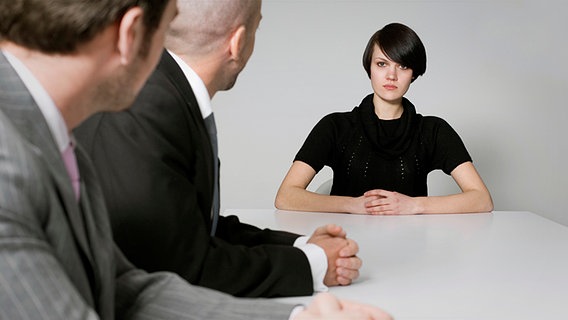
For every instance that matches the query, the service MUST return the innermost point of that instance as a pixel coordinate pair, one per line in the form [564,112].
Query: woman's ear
[130,34]
[237,43]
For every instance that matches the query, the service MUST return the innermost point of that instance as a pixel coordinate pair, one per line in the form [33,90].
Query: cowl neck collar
[394,142]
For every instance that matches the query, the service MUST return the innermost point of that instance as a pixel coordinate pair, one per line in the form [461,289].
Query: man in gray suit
[60,62]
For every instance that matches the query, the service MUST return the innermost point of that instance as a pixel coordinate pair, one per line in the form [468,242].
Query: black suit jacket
[156,167]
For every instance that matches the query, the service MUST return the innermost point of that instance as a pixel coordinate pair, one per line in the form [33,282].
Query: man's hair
[60,26]
[400,44]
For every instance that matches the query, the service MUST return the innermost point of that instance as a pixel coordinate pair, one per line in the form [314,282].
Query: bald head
[203,26]
[215,38]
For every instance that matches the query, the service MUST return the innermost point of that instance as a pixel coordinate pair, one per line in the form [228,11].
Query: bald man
[159,170]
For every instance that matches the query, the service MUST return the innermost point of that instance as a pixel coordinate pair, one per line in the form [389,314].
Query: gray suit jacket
[57,256]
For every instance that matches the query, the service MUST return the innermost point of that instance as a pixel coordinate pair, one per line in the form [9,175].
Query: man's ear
[237,43]
[130,34]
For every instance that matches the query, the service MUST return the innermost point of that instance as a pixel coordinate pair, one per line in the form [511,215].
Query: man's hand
[326,306]
[342,263]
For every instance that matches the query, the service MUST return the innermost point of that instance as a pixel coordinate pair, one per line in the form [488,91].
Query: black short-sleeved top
[367,153]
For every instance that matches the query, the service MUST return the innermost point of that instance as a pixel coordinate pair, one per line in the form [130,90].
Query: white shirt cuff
[317,259]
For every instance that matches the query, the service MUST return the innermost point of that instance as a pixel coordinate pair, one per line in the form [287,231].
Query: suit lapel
[98,232]
[175,75]
[17,103]
[173,72]
[169,68]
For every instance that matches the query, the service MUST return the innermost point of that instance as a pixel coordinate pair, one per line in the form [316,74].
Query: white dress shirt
[316,255]
[52,115]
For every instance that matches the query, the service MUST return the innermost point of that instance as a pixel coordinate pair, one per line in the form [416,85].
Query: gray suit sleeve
[33,285]
[166,296]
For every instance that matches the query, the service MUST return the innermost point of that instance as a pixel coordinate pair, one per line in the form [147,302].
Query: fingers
[351,249]
[380,202]
[327,233]
[327,303]
[377,192]
[351,263]
[369,311]
[327,306]
[382,206]
[335,230]
[347,270]
[330,230]
[381,210]
[345,276]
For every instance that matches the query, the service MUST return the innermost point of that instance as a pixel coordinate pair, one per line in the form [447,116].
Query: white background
[497,72]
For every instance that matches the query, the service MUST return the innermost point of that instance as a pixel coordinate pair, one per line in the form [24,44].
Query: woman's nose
[391,75]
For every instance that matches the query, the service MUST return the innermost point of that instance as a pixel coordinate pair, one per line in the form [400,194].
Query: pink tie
[72,169]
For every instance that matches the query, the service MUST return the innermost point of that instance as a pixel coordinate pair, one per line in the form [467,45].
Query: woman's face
[389,79]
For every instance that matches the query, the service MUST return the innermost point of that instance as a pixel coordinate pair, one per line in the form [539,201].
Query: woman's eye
[403,67]
[381,64]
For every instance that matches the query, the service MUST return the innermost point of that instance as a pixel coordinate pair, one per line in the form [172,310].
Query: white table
[499,266]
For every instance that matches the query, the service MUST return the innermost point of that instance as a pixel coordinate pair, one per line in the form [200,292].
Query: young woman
[382,151]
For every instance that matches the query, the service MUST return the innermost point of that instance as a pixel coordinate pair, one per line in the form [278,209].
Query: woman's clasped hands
[383,202]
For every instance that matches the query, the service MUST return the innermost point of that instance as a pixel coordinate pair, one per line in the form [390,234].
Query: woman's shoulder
[342,114]
[430,121]
[434,126]
[337,123]
[366,105]
[340,117]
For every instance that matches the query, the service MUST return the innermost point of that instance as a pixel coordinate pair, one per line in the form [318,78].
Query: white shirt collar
[50,112]
[199,89]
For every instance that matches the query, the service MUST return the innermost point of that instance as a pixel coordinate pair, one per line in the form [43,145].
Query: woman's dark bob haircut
[400,44]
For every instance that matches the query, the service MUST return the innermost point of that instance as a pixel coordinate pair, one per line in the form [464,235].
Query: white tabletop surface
[499,266]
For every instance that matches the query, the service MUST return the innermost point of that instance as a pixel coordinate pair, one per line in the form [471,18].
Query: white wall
[497,71]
